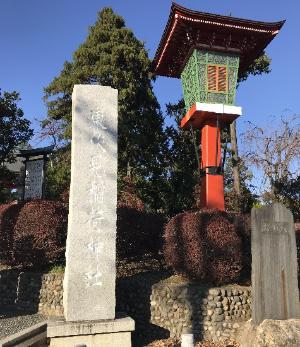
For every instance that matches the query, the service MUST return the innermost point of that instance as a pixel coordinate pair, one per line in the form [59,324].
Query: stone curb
[26,337]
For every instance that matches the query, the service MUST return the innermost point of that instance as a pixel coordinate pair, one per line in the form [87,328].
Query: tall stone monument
[274,264]
[89,284]
[90,274]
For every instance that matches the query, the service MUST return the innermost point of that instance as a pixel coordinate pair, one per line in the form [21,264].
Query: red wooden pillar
[210,118]
[212,184]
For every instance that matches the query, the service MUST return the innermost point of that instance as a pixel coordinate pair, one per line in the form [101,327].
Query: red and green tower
[208,53]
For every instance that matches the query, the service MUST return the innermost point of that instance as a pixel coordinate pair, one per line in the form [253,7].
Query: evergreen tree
[14,131]
[111,55]
[58,173]
[288,192]
[260,66]
[183,166]
[246,199]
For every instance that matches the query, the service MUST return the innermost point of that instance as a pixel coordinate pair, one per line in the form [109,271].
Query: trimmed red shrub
[8,217]
[40,233]
[138,232]
[34,233]
[205,245]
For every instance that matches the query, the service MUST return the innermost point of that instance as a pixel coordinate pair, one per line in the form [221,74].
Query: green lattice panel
[194,78]
[190,82]
[217,98]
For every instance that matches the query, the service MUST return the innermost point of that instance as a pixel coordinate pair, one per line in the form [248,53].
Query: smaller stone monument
[275,292]
[35,167]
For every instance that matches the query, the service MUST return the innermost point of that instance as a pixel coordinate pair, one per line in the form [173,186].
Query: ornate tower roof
[187,29]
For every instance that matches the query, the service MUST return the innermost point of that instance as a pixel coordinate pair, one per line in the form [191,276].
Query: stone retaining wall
[51,295]
[133,297]
[211,313]
[157,307]
[32,292]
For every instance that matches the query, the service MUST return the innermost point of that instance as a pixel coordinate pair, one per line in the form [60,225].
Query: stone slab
[60,328]
[89,282]
[121,339]
[275,291]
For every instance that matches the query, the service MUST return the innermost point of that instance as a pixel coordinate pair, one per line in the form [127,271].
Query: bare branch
[275,149]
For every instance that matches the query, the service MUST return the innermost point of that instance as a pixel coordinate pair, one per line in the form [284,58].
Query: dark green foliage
[183,172]
[111,55]
[243,229]
[138,232]
[127,195]
[288,192]
[204,245]
[242,204]
[247,199]
[15,129]
[7,183]
[58,173]
[260,66]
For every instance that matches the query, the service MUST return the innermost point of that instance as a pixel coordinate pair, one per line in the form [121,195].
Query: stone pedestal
[104,333]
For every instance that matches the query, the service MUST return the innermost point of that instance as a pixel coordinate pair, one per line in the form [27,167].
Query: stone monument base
[104,333]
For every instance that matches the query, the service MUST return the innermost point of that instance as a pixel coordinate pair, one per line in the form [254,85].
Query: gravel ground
[175,343]
[145,263]
[12,325]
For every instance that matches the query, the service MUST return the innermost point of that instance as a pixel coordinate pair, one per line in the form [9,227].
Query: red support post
[212,185]
[210,119]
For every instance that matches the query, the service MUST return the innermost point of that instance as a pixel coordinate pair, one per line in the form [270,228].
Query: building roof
[35,152]
[187,29]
